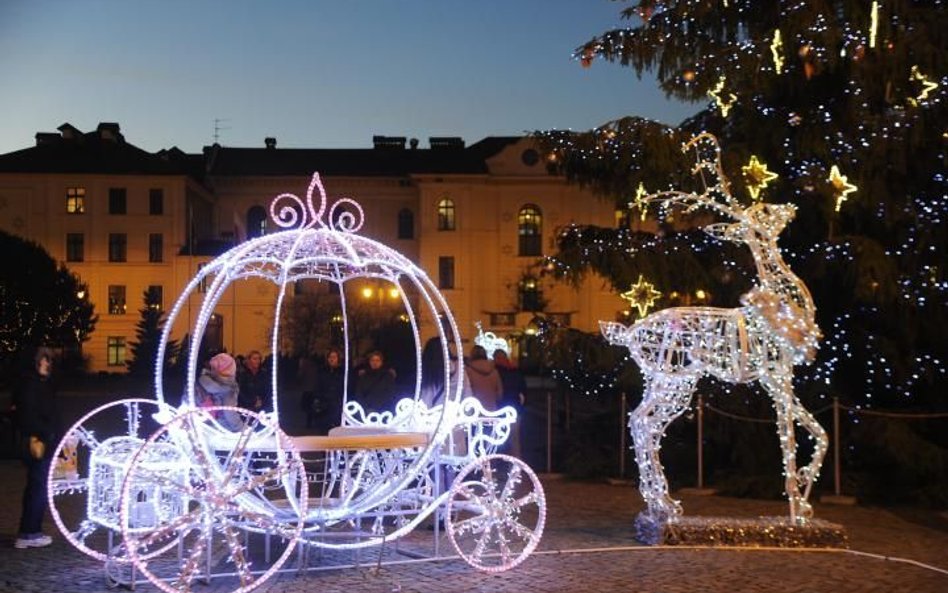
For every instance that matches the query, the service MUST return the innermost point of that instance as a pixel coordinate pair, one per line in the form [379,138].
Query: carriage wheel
[81,496]
[495,512]
[207,488]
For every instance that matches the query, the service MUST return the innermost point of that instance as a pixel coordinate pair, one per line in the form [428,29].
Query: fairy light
[639,201]
[642,295]
[927,86]
[761,341]
[757,176]
[841,186]
[873,23]
[776,50]
[723,104]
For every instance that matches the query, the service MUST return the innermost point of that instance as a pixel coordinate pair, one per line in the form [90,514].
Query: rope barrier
[894,414]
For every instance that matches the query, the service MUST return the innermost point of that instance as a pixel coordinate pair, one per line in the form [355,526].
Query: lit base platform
[776,532]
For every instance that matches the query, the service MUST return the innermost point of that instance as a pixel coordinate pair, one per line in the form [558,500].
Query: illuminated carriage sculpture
[185,494]
[761,341]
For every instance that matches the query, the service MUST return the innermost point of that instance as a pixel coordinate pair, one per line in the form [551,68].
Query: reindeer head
[758,222]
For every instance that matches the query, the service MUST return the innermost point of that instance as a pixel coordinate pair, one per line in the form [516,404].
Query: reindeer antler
[704,142]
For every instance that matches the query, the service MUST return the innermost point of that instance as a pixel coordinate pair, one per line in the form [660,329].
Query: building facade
[477,219]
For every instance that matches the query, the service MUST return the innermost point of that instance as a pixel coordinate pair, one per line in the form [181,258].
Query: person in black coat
[254,384]
[38,418]
[514,394]
[330,385]
[375,385]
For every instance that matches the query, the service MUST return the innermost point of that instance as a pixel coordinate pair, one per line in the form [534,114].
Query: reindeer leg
[808,474]
[666,397]
[778,385]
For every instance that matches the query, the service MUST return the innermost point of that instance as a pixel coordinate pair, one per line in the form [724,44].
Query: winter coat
[485,382]
[37,411]
[254,387]
[514,385]
[375,389]
[213,390]
[433,395]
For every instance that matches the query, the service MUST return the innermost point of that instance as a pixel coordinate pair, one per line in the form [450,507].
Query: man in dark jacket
[514,394]
[375,385]
[38,418]
[254,384]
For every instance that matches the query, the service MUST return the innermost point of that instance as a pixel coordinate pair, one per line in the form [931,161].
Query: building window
[530,296]
[156,247]
[446,220]
[75,200]
[406,224]
[75,246]
[117,200]
[116,299]
[503,319]
[118,247]
[116,351]
[155,297]
[446,272]
[256,222]
[530,230]
[156,201]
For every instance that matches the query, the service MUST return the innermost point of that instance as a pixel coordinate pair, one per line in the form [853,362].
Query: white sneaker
[36,541]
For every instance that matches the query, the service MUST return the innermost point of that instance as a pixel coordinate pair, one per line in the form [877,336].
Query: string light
[757,176]
[841,186]
[642,295]
[776,49]
[873,23]
[640,202]
[723,104]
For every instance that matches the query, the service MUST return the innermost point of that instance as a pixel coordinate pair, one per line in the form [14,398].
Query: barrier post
[836,471]
[549,432]
[622,431]
[700,405]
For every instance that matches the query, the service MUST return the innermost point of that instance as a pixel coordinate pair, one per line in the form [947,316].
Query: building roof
[102,151]
[386,159]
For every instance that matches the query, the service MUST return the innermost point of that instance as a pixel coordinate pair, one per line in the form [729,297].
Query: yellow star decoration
[641,295]
[927,86]
[715,94]
[841,186]
[874,24]
[776,48]
[639,201]
[757,175]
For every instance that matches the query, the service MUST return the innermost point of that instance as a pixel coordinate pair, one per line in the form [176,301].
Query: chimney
[270,142]
[69,132]
[109,131]
[443,142]
[389,142]
[47,138]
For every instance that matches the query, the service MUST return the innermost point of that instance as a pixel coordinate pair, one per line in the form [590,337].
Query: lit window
[116,351]
[446,272]
[117,200]
[156,201]
[156,245]
[118,247]
[446,215]
[530,295]
[530,230]
[406,224]
[75,200]
[116,299]
[75,247]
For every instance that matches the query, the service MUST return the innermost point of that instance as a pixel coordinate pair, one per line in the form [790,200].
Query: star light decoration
[757,176]
[927,86]
[642,295]
[716,93]
[874,24]
[841,186]
[776,49]
[640,201]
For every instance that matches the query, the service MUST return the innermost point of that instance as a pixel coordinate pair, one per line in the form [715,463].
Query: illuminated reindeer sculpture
[760,341]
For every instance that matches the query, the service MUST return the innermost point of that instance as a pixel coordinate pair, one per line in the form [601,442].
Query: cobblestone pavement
[587,546]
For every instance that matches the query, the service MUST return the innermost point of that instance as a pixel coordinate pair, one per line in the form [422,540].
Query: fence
[700,408]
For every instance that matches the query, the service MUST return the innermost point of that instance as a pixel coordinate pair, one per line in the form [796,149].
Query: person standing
[217,386]
[485,380]
[375,385]
[254,384]
[330,385]
[514,394]
[38,417]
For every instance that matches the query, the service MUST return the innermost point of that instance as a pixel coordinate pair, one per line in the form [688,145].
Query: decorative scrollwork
[290,211]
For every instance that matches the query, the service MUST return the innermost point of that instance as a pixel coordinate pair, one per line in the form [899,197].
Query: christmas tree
[840,109]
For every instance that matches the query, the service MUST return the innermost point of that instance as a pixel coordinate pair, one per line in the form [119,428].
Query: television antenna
[218,127]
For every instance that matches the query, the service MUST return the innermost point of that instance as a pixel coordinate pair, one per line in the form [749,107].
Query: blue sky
[314,74]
